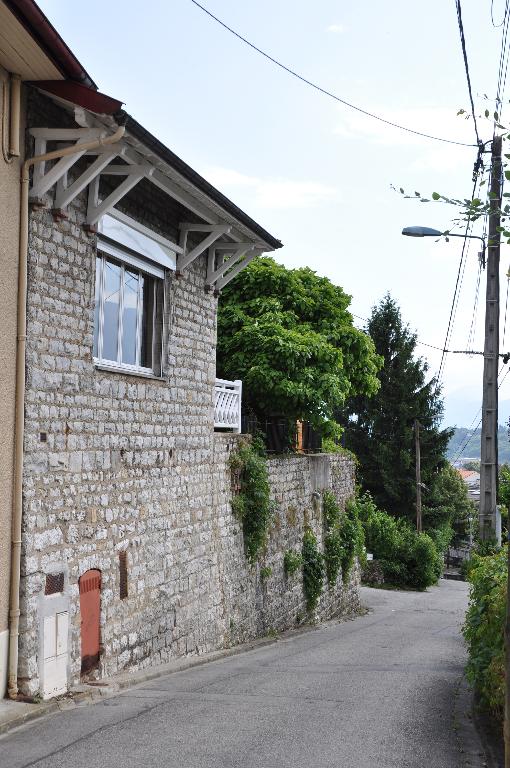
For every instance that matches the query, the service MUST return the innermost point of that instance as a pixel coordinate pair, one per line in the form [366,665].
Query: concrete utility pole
[489,438]
[418,474]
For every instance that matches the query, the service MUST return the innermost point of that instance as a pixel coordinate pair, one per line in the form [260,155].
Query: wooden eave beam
[66,195]
[215,274]
[96,211]
[223,281]
[215,232]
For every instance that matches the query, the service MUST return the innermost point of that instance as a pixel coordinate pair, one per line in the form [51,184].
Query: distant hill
[461,405]
[471,448]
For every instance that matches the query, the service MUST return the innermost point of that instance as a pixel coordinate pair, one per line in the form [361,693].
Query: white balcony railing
[227,404]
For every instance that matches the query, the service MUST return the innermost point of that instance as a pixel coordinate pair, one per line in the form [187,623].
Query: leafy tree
[288,335]
[380,429]
[447,507]
[504,493]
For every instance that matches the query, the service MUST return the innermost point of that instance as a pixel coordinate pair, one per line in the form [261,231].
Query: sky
[314,173]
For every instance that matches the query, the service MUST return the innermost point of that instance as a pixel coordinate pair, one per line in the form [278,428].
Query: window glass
[111,310]
[130,316]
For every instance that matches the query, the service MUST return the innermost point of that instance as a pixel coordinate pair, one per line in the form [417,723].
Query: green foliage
[252,505]
[330,510]
[484,629]
[333,555]
[408,559]
[343,538]
[485,548]
[292,561]
[313,569]
[353,539]
[447,505]
[442,537]
[288,334]
[265,572]
[504,493]
[333,545]
[379,429]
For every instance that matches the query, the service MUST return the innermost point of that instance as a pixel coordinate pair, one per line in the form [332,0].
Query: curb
[87,694]
[469,740]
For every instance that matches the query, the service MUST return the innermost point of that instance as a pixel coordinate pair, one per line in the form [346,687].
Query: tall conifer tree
[379,429]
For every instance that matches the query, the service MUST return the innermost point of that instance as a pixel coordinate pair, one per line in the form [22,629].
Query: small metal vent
[54,583]
[123,575]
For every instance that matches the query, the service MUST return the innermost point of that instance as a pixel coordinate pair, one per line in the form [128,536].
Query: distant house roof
[465,473]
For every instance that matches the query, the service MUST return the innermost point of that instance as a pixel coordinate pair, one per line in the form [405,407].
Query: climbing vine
[292,561]
[251,504]
[343,538]
[313,569]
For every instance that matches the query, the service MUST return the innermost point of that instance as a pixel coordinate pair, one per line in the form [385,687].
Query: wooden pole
[418,474]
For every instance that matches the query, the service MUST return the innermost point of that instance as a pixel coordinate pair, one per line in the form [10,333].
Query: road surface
[375,691]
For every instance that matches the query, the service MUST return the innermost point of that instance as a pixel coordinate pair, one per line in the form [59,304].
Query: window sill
[141,373]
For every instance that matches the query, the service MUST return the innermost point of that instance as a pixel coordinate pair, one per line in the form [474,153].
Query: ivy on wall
[313,569]
[292,561]
[343,538]
[251,504]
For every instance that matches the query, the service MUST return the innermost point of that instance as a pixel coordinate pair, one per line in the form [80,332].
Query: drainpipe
[14,115]
[19,424]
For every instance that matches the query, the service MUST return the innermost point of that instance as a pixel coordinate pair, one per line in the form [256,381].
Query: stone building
[29,51]
[130,552]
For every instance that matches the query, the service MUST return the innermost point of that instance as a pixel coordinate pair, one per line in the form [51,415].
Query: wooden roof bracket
[215,231]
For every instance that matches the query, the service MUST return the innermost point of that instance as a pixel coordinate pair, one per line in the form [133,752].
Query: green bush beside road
[407,558]
[484,629]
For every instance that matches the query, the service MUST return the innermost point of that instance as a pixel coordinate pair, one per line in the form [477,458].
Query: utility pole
[418,474]
[489,438]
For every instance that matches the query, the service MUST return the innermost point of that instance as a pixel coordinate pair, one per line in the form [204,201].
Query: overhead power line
[434,346]
[324,90]
[472,431]
[466,66]
[492,17]
[503,63]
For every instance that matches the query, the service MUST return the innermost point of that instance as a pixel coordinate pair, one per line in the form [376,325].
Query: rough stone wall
[114,462]
[254,606]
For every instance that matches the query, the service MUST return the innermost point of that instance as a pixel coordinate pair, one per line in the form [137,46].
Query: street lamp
[429,232]
[489,437]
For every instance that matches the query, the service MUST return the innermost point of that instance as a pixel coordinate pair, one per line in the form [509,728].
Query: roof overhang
[230,237]
[31,47]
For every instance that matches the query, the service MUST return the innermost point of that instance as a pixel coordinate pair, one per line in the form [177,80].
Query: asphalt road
[375,691]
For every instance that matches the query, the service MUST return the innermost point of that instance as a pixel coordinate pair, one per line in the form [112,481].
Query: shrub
[408,559]
[313,569]
[442,537]
[484,629]
[252,504]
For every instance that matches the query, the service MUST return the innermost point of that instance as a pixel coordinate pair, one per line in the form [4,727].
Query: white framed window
[129,312]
